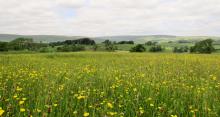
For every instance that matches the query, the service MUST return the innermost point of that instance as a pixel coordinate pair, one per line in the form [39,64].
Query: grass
[110,84]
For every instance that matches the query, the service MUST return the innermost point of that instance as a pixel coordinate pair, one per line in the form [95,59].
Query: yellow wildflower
[38,110]
[55,105]
[22,110]
[149,98]
[109,105]
[141,110]
[81,97]
[15,96]
[86,114]
[112,113]
[21,102]
[159,108]
[75,112]
[174,116]
[142,75]
[135,89]
[18,89]
[214,78]
[151,105]
[1,111]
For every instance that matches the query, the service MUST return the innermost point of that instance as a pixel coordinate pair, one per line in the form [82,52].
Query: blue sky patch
[66,12]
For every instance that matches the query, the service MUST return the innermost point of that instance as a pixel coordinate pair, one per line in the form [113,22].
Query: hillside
[38,38]
[158,38]
[136,38]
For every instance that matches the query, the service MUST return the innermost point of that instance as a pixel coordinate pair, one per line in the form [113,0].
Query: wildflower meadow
[101,84]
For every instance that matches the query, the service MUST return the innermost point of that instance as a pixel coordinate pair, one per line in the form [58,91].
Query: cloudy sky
[110,17]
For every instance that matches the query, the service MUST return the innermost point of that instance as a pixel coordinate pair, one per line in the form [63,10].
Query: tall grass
[109,84]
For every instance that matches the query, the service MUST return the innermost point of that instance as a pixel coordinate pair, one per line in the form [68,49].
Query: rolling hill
[136,38]
[38,38]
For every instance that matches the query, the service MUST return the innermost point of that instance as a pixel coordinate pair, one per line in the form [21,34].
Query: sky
[110,17]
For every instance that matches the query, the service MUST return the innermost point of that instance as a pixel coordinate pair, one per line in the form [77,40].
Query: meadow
[104,84]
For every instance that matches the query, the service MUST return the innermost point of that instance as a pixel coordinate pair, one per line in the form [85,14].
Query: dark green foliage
[95,47]
[150,43]
[22,40]
[70,48]
[184,41]
[138,48]
[45,49]
[3,46]
[107,42]
[109,46]
[126,42]
[21,44]
[156,48]
[180,49]
[204,46]
[82,41]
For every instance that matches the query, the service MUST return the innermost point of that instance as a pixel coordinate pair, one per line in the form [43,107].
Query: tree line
[19,44]
[82,41]
[204,46]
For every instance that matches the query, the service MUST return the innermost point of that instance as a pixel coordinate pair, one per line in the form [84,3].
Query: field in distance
[110,84]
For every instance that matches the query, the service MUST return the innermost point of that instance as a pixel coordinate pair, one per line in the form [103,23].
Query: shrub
[110,46]
[138,48]
[45,50]
[156,48]
[180,49]
[184,41]
[150,43]
[70,48]
[126,42]
[3,46]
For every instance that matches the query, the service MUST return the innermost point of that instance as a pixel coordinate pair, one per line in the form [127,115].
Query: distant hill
[39,38]
[158,38]
[136,38]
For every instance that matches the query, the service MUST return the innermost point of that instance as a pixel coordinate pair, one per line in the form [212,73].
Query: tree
[21,43]
[95,47]
[109,46]
[3,46]
[184,41]
[70,48]
[126,42]
[82,41]
[156,48]
[107,42]
[204,46]
[138,48]
[180,49]
[170,41]
[150,43]
[45,49]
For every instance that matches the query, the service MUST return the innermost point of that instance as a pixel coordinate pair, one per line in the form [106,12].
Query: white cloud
[71,3]
[110,17]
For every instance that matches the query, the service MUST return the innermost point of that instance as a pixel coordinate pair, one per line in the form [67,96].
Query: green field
[101,84]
